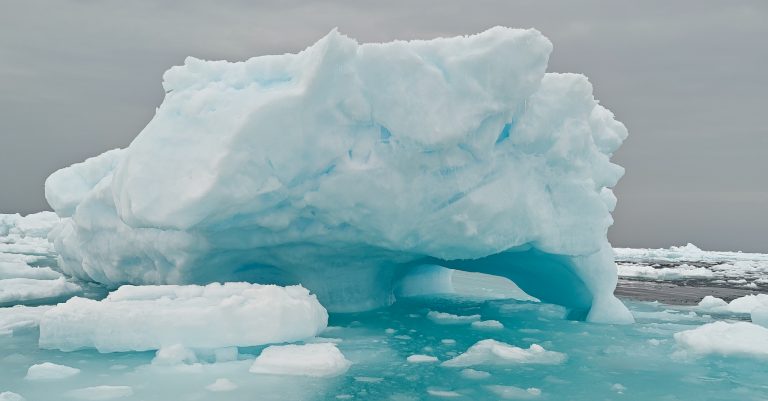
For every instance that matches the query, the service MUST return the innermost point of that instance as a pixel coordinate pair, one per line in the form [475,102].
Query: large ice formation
[141,318]
[347,166]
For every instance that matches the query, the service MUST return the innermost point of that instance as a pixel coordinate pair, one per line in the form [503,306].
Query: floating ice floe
[419,358]
[745,304]
[449,318]
[727,339]
[487,324]
[315,360]
[217,315]
[221,385]
[50,371]
[474,374]
[492,352]
[755,305]
[312,167]
[515,393]
[104,392]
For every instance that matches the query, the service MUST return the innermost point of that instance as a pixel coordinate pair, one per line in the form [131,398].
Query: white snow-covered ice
[140,318]
[316,360]
[724,338]
[50,371]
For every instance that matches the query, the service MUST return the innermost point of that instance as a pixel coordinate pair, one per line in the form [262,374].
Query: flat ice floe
[316,360]
[50,371]
[104,392]
[449,318]
[492,352]
[728,339]
[515,393]
[213,316]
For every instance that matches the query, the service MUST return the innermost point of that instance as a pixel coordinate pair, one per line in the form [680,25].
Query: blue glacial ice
[349,167]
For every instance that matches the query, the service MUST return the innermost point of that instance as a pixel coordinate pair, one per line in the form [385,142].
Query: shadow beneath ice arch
[548,277]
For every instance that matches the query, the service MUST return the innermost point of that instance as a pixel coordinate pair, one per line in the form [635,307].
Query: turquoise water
[604,362]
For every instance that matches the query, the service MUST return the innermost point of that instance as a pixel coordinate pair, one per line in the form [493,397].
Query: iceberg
[348,167]
[144,318]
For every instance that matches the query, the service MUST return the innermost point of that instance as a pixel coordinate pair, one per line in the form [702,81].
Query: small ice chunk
[390,331]
[176,354]
[448,318]
[487,324]
[316,360]
[744,305]
[448,341]
[442,393]
[514,393]
[102,392]
[367,379]
[50,371]
[418,358]
[710,303]
[142,318]
[722,338]
[492,352]
[221,385]
[619,388]
[9,396]
[474,374]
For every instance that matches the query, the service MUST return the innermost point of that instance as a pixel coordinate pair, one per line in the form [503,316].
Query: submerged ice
[338,169]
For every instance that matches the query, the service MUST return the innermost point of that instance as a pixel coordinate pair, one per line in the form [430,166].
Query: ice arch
[347,166]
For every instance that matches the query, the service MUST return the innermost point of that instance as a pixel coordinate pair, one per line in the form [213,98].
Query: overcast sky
[688,78]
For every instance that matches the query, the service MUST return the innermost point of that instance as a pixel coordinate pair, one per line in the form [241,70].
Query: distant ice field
[685,274]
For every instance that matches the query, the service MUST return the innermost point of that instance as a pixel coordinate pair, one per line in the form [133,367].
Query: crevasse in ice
[347,166]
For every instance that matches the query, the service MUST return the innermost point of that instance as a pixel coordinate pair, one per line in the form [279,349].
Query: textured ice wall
[347,165]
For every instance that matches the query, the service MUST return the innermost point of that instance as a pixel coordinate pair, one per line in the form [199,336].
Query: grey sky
[688,78]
